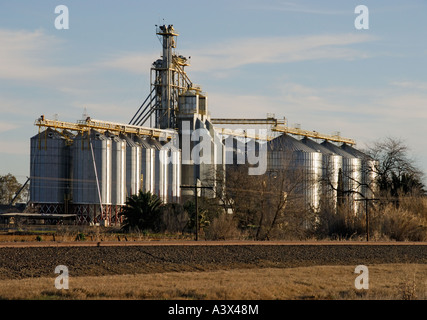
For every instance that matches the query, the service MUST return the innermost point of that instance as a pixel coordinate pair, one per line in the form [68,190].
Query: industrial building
[88,168]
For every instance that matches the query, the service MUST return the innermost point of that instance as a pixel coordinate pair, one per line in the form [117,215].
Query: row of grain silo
[327,171]
[92,174]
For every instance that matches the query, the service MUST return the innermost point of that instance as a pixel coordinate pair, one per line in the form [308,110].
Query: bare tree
[395,169]
[265,206]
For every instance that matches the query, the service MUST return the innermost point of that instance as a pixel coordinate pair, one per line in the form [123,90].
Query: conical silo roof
[334,148]
[287,143]
[354,152]
[317,146]
[129,141]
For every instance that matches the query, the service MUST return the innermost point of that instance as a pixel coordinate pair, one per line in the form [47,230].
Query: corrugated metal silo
[368,170]
[174,175]
[352,175]
[49,168]
[159,169]
[331,165]
[85,181]
[170,171]
[285,152]
[118,176]
[133,166]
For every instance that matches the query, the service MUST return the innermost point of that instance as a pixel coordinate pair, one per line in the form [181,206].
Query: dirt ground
[20,260]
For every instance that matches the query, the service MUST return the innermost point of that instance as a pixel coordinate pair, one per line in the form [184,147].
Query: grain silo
[352,176]
[331,168]
[159,168]
[50,171]
[133,166]
[368,171]
[92,175]
[118,175]
[146,172]
[287,153]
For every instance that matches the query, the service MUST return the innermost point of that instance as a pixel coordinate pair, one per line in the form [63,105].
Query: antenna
[84,115]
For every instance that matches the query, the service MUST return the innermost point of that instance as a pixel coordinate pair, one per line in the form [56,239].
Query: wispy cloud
[29,56]
[240,52]
[5,126]
[221,57]
[300,7]
[14,147]
[129,61]
[416,85]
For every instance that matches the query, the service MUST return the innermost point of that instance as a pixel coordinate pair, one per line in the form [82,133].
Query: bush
[223,227]
[339,224]
[80,236]
[142,212]
[402,225]
[174,218]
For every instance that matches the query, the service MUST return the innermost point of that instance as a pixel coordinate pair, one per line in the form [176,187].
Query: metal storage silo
[164,166]
[331,166]
[170,173]
[90,152]
[174,174]
[159,171]
[147,168]
[351,173]
[133,166]
[285,152]
[50,171]
[368,170]
[118,175]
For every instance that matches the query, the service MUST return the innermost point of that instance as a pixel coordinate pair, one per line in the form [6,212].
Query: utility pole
[196,188]
[367,215]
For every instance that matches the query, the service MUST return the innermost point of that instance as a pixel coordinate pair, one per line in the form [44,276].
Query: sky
[302,60]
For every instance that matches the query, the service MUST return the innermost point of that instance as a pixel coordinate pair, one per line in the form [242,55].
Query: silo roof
[51,133]
[153,143]
[288,143]
[317,146]
[354,151]
[129,141]
[334,148]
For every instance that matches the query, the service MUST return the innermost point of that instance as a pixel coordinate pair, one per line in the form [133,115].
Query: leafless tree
[396,171]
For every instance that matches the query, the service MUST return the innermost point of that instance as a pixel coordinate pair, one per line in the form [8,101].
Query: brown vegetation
[394,281]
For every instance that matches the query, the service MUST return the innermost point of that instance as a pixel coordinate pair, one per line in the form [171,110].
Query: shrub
[402,225]
[142,212]
[80,236]
[223,227]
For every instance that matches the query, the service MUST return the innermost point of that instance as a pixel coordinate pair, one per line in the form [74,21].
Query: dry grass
[392,281]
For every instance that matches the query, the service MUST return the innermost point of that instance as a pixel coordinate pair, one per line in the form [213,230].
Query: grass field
[388,281]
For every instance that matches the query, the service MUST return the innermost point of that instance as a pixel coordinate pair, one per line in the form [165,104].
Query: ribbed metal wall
[157,170]
[352,175]
[332,163]
[49,168]
[367,170]
[285,152]
[85,181]
[133,166]
[118,175]
[174,174]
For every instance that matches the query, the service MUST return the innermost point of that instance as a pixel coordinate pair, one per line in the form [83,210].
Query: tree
[142,211]
[395,170]
[265,206]
[9,186]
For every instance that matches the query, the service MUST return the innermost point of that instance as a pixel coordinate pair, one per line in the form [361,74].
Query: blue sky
[303,60]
